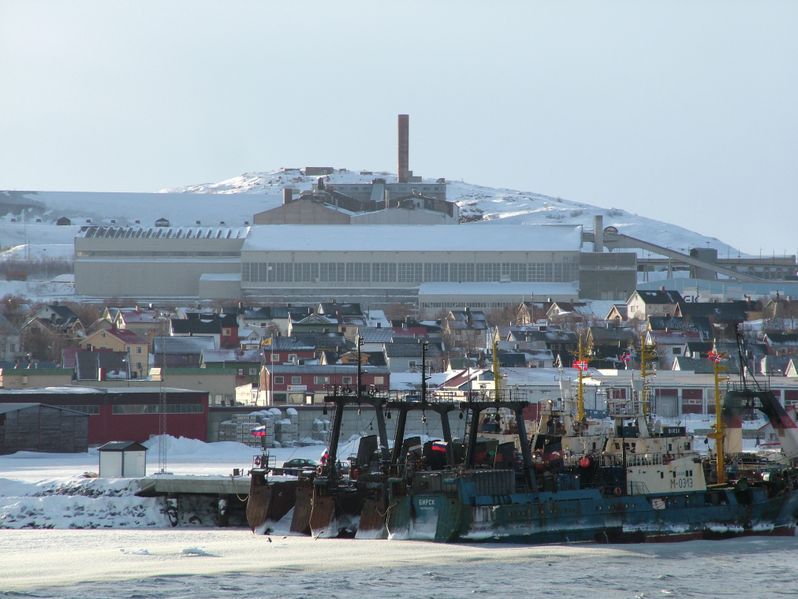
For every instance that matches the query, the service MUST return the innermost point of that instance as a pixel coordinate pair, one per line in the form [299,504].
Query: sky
[679,111]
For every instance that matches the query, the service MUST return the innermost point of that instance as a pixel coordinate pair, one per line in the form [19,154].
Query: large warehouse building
[291,262]
[376,264]
[154,262]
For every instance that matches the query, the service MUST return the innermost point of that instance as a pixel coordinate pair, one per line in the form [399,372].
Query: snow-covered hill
[29,217]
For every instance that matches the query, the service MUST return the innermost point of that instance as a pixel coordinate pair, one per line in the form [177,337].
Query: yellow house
[121,340]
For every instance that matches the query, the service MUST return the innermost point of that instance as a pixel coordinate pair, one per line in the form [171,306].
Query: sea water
[198,564]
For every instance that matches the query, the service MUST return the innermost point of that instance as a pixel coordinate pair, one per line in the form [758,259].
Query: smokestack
[404,148]
[598,233]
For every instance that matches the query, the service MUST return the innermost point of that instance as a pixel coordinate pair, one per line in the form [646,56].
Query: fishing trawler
[644,482]
[638,481]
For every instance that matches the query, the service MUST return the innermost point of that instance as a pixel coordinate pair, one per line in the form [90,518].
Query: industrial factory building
[155,262]
[291,262]
[373,263]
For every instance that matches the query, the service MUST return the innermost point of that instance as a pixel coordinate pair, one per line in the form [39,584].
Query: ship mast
[496,371]
[645,358]
[719,432]
[581,366]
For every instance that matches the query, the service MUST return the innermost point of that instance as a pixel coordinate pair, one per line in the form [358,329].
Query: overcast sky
[683,111]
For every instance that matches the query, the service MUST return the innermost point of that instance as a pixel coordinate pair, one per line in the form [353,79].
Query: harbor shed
[33,426]
[123,459]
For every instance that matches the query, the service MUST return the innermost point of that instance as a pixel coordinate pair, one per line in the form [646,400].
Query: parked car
[300,463]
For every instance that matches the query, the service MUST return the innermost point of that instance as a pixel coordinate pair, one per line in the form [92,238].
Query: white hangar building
[388,263]
[376,264]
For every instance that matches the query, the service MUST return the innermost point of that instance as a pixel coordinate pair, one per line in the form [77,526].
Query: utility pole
[424,376]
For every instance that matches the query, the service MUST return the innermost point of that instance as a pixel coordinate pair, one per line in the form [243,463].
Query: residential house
[222,327]
[781,344]
[465,328]
[10,347]
[289,350]
[145,322]
[314,323]
[349,316]
[125,342]
[718,320]
[618,313]
[404,354]
[299,383]
[531,312]
[246,363]
[274,319]
[180,352]
[642,304]
[780,308]
[96,365]
[669,345]
[609,345]
[32,378]
[57,319]
[666,323]
[698,349]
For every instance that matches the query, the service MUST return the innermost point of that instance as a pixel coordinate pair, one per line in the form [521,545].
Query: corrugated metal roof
[108,232]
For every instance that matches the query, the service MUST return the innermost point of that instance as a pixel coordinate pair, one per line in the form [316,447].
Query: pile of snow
[45,490]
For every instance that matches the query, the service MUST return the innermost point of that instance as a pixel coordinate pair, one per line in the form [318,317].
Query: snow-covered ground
[28,217]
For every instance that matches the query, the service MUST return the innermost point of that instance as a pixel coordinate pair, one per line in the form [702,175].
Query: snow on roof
[397,238]
[221,276]
[110,232]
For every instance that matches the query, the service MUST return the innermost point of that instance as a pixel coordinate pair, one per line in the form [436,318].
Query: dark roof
[613,335]
[717,311]
[88,364]
[182,345]
[660,296]
[346,309]
[324,341]
[122,446]
[196,325]
[290,344]
[403,350]
[6,408]
[662,323]
[512,359]
[322,369]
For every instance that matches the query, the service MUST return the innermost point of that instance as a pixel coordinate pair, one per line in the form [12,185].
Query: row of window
[178,408]
[181,408]
[135,252]
[322,380]
[406,272]
[505,304]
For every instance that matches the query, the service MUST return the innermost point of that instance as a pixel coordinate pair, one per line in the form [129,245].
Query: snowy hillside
[29,217]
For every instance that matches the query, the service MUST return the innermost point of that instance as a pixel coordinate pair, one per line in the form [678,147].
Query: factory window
[86,409]
[153,408]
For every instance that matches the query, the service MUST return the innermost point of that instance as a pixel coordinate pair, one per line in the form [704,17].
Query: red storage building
[129,413]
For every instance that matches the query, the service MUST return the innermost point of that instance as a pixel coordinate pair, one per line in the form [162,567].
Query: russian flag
[259,431]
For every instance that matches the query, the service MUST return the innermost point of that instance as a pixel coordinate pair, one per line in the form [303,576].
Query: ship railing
[635,459]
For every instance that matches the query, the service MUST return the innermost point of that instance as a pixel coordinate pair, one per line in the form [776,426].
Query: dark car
[300,463]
